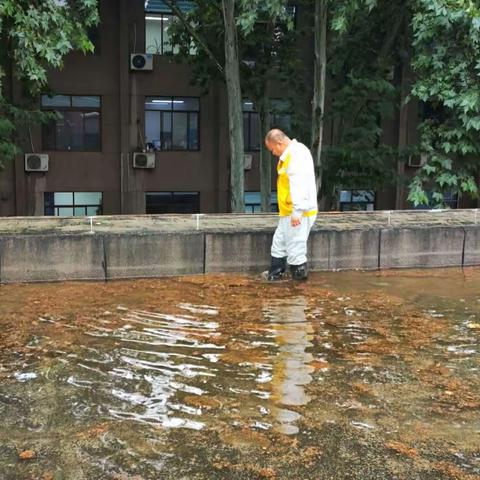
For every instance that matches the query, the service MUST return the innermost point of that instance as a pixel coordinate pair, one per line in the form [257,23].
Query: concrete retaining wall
[130,256]
[472,246]
[426,247]
[45,257]
[30,258]
[237,252]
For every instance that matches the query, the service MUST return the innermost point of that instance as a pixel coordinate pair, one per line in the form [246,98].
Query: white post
[91,224]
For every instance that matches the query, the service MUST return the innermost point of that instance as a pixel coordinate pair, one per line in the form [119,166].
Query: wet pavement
[351,375]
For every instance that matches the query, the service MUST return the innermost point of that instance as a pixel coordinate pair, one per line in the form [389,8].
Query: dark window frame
[94,35]
[72,109]
[172,111]
[54,207]
[352,203]
[251,205]
[247,131]
[171,195]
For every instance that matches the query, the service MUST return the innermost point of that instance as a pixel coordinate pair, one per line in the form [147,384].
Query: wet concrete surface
[351,375]
[208,223]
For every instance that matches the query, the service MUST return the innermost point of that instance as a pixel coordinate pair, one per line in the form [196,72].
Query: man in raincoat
[297,204]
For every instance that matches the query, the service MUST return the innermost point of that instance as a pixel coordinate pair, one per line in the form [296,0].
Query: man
[297,204]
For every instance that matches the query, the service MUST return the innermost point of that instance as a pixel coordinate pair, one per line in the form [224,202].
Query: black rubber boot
[277,268]
[299,272]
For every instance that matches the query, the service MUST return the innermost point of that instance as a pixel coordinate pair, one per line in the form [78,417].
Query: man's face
[275,148]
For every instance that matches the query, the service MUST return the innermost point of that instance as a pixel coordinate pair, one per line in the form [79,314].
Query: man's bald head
[276,141]
[275,135]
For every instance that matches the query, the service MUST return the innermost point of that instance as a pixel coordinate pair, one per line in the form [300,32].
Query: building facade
[133,135]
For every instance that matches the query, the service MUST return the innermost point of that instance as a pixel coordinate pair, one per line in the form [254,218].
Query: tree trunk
[318,103]
[265,159]
[235,116]
[402,136]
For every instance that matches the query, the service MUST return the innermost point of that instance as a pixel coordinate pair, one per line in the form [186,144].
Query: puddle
[350,375]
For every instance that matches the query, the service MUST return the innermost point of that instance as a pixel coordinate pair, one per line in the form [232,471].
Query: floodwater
[351,375]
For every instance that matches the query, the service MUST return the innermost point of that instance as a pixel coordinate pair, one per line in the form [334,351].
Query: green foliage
[344,12]
[362,55]
[253,11]
[358,158]
[36,36]
[266,42]
[446,41]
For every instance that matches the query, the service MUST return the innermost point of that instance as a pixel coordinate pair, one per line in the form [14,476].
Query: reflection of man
[297,204]
[291,372]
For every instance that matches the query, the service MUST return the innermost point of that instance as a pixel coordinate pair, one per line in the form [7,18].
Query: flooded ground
[351,375]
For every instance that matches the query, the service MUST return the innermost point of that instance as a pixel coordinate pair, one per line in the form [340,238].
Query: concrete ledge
[472,246]
[353,249]
[51,258]
[56,256]
[133,256]
[241,252]
[319,250]
[422,247]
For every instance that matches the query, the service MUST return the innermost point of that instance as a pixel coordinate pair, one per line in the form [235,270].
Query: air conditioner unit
[36,162]
[417,160]
[141,61]
[144,160]
[248,158]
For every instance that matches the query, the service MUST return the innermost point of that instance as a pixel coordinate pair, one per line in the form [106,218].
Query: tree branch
[173,5]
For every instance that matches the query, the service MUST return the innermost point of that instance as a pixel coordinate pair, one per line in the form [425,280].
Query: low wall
[56,256]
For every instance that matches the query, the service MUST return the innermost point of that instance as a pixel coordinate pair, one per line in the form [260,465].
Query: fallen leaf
[27,455]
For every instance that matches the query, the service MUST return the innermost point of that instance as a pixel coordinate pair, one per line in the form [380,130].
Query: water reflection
[155,359]
[293,334]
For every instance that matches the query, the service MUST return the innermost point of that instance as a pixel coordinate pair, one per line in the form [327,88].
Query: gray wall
[43,257]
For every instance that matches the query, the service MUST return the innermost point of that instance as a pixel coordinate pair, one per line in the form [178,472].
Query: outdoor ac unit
[143,160]
[141,61]
[36,162]
[248,158]
[417,160]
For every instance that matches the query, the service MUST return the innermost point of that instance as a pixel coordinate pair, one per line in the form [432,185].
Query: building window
[157,36]
[172,202]
[251,127]
[158,20]
[93,34]
[280,118]
[76,126]
[450,200]
[171,123]
[159,6]
[70,204]
[253,202]
[351,200]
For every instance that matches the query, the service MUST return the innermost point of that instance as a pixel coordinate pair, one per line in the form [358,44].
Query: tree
[225,64]
[440,41]
[446,42]
[361,57]
[263,31]
[319,84]
[35,36]
[269,52]
[235,116]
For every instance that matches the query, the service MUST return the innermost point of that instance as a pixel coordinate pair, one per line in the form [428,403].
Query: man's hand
[295,220]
